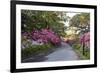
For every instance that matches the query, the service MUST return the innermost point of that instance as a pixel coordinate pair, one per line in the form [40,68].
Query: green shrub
[76,46]
[79,50]
[36,49]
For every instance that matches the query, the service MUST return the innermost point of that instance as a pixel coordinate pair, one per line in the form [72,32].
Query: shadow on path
[62,53]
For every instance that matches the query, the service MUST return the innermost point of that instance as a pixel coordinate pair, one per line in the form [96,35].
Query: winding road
[63,53]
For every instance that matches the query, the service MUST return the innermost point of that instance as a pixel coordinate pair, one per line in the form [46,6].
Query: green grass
[36,49]
[78,48]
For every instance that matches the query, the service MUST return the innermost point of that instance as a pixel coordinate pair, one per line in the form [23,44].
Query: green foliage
[36,49]
[76,46]
[81,21]
[32,19]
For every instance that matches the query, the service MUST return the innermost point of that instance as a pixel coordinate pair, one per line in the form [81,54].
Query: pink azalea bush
[43,36]
[85,38]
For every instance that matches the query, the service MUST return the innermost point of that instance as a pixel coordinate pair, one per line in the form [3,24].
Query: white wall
[5,36]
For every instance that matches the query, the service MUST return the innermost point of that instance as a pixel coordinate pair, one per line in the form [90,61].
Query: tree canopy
[32,19]
[81,21]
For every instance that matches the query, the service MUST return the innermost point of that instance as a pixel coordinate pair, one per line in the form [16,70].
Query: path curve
[64,53]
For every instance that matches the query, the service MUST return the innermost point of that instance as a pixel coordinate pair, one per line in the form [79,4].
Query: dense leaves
[81,21]
[43,19]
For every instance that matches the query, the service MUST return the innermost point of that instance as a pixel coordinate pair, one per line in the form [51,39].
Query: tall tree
[32,19]
[81,21]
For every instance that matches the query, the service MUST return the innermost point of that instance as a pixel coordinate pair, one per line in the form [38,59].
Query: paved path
[64,53]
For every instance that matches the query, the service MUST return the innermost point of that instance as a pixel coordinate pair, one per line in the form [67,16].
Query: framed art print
[52,36]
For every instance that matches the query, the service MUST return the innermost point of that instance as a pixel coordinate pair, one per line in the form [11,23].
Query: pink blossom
[85,38]
[45,35]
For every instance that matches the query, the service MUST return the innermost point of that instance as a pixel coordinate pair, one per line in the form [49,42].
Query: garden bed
[37,52]
[78,49]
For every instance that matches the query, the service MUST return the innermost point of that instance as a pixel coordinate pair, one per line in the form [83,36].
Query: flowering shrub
[45,36]
[85,38]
